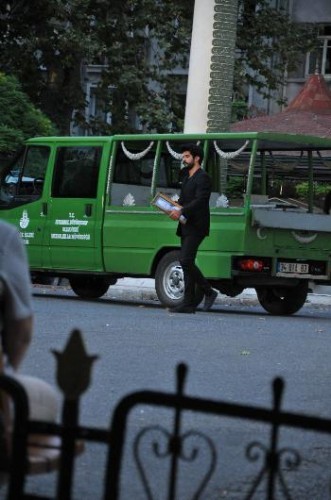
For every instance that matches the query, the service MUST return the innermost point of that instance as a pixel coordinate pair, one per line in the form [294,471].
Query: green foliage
[269,44]
[235,187]
[141,72]
[320,189]
[47,44]
[19,119]
[10,139]
[239,110]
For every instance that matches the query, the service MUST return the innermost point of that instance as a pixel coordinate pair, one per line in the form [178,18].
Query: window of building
[320,59]
[97,108]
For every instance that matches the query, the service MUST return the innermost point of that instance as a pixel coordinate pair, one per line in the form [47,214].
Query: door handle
[44,209]
[88,209]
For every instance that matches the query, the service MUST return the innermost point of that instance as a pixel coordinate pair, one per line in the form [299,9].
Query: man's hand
[175,214]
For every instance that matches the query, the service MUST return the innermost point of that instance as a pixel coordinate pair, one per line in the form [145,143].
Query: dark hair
[194,149]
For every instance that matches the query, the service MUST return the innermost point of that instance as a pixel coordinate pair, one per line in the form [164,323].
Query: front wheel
[283,300]
[169,281]
[89,287]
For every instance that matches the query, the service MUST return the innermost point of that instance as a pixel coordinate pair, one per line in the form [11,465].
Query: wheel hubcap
[174,282]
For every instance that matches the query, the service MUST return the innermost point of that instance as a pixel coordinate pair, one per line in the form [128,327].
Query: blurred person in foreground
[16,322]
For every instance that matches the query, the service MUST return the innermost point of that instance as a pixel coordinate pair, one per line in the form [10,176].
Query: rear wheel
[169,281]
[89,287]
[283,300]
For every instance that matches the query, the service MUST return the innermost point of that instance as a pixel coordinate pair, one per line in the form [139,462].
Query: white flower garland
[173,153]
[136,156]
[177,156]
[233,154]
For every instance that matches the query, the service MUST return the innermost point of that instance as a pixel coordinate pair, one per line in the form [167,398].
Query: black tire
[169,281]
[89,287]
[283,300]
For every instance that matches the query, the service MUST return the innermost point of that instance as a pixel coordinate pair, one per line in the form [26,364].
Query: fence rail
[168,443]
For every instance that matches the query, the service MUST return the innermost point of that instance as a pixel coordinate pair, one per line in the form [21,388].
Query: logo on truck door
[71,229]
[24,222]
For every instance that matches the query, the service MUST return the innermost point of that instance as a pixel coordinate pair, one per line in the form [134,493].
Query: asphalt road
[233,354]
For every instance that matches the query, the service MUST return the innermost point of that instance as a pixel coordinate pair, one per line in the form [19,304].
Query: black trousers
[192,275]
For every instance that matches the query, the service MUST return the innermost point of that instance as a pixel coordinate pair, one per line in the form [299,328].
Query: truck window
[133,175]
[134,172]
[132,178]
[169,173]
[23,180]
[76,172]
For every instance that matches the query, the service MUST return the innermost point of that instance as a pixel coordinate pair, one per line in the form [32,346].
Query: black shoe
[209,300]
[183,309]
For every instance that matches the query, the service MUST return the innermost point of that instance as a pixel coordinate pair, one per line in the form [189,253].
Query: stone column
[210,80]
[222,65]
[199,69]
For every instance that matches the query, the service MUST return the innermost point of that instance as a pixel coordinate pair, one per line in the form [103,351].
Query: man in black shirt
[194,199]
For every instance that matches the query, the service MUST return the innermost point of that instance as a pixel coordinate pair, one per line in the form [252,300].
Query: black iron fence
[170,442]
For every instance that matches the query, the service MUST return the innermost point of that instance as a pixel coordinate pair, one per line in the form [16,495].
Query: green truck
[83,208]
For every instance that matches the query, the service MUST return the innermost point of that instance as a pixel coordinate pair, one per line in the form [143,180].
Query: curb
[143,289]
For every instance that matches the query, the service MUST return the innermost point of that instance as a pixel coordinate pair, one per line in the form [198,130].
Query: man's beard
[189,166]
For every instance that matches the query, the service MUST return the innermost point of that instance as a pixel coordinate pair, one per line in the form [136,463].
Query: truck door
[73,221]
[23,197]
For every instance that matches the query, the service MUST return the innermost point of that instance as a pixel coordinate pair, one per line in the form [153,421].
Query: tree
[19,118]
[47,43]
[140,75]
[269,45]
[43,43]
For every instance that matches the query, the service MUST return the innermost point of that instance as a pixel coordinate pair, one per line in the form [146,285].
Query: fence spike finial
[74,366]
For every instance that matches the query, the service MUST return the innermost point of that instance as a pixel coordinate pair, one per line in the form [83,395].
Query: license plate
[293,267]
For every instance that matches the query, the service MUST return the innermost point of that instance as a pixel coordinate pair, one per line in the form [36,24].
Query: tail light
[253,264]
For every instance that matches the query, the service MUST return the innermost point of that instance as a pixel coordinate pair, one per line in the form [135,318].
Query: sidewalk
[143,289]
